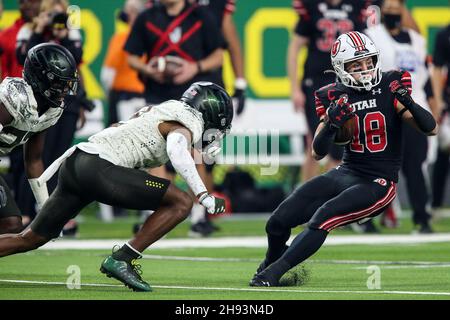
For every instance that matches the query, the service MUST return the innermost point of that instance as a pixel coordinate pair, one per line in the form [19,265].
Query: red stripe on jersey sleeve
[320,108]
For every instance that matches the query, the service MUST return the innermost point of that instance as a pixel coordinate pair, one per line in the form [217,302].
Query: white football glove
[212,204]
[212,151]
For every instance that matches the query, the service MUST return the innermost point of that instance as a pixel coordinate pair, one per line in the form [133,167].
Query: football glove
[401,93]
[340,111]
[212,204]
[239,95]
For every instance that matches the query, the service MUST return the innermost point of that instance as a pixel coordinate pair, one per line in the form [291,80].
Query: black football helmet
[51,71]
[215,105]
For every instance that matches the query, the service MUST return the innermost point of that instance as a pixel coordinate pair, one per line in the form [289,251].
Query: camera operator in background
[51,25]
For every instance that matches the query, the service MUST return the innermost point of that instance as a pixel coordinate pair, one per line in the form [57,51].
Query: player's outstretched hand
[340,111]
[401,93]
[212,204]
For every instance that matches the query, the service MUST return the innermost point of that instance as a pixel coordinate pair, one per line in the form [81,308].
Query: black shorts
[8,207]
[334,199]
[84,178]
[209,167]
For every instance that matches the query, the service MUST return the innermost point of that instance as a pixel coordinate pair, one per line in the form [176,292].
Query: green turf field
[406,272]
[411,271]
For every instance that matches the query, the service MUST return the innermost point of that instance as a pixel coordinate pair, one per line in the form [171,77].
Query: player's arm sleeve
[179,155]
[415,114]
[136,42]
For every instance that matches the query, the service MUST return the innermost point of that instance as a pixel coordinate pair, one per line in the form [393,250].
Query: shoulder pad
[17,97]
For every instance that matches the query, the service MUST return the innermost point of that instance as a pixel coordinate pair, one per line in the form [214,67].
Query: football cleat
[127,273]
[263,280]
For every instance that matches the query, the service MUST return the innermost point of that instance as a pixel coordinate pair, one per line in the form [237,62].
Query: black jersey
[218,8]
[192,35]
[376,148]
[322,23]
[441,56]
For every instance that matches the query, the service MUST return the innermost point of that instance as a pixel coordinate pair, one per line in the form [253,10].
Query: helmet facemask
[367,78]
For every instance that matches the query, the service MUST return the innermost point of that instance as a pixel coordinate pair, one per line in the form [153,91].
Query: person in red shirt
[9,65]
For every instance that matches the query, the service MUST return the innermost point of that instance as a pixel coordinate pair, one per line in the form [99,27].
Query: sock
[127,253]
[197,213]
[303,246]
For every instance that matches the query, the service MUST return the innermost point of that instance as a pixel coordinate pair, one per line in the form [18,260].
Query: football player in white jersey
[107,169]
[28,107]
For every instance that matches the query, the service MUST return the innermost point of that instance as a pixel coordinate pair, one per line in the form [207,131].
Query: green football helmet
[215,105]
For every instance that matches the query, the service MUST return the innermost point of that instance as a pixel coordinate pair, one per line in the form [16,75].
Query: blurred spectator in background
[121,82]
[10,67]
[51,25]
[222,12]
[174,27]
[182,43]
[404,49]
[320,24]
[9,64]
[374,15]
[441,86]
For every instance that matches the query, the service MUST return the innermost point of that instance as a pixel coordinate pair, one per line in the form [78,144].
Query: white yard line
[249,242]
[431,293]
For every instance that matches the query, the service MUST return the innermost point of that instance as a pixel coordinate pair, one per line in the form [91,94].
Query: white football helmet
[353,46]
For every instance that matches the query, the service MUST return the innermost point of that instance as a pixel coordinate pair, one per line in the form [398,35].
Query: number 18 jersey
[375,150]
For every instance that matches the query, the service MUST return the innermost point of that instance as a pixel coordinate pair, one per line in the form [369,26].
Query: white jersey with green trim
[18,99]
[138,143]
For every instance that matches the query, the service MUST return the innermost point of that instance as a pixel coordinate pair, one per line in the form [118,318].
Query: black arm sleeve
[322,142]
[423,118]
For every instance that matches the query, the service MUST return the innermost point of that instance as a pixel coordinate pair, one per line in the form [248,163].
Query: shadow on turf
[296,277]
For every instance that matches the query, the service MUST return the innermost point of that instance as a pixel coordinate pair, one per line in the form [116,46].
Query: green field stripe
[387,292]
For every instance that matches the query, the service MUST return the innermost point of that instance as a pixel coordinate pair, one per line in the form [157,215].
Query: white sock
[197,213]
[129,246]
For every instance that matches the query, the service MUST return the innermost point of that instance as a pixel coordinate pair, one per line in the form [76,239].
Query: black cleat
[262,280]
[425,228]
[200,230]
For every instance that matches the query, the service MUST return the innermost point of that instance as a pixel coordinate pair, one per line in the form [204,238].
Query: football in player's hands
[345,134]
[169,66]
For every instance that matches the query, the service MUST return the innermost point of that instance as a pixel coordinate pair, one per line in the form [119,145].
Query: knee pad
[275,226]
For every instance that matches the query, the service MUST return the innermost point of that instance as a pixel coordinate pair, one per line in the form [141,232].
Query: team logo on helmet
[335,48]
[381,181]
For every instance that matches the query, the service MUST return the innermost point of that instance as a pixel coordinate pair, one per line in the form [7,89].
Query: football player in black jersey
[378,103]
[320,23]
